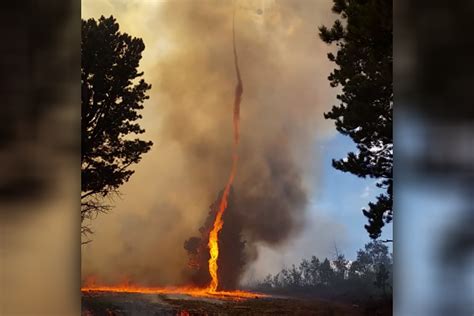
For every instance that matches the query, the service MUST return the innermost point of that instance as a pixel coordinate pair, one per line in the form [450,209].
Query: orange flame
[218,222]
[191,291]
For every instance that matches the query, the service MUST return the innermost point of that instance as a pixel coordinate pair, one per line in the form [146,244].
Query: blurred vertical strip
[434,157]
[40,158]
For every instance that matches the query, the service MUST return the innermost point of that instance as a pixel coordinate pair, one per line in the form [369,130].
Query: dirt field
[98,304]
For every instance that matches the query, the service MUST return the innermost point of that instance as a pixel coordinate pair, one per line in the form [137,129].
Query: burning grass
[107,303]
[237,295]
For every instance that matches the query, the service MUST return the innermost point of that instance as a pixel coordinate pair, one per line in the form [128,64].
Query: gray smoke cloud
[188,60]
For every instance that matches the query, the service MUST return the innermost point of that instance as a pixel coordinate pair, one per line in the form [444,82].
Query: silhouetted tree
[315,265]
[363,36]
[377,252]
[361,267]
[295,275]
[112,96]
[382,277]
[369,260]
[341,267]
[369,275]
[305,270]
[326,272]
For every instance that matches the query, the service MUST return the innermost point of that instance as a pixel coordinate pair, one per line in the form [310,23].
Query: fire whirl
[218,222]
[213,244]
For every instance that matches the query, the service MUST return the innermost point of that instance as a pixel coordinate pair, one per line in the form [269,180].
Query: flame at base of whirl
[191,291]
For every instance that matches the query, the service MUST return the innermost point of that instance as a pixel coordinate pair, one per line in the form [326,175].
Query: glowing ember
[218,222]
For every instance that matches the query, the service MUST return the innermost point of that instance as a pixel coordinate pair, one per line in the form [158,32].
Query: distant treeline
[369,276]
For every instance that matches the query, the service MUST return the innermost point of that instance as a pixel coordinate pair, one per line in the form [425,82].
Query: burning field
[208,247]
[236,295]
[263,169]
[182,304]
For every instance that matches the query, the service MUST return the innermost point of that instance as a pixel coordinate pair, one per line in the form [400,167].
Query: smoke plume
[189,62]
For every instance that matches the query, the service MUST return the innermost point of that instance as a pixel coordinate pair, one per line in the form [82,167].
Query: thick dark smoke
[281,201]
[189,62]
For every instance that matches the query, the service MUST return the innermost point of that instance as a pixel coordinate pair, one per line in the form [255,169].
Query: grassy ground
[112,304]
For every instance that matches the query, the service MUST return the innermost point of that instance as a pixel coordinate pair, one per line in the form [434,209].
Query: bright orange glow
[195,292]
[214,234]
[218,222]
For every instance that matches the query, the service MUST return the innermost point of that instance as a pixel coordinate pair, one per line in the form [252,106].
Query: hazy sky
[188,61]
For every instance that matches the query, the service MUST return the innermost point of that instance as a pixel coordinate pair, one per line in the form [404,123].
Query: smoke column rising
[187,61]
[218,222]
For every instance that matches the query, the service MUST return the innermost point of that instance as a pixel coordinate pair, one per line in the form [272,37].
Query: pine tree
[381,278]
[363,37]
[112,96]
[326,272]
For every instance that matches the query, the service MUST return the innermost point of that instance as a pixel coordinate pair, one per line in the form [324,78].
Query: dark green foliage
[340,268]
[326,272]
[382,277]
[363,37]
[369,275]
[112,96]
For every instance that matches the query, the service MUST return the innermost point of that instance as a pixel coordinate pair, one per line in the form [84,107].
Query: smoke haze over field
[189,62]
